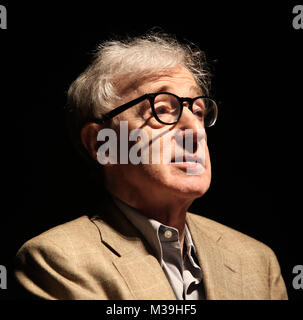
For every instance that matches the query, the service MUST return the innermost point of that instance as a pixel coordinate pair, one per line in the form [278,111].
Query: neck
[171,213]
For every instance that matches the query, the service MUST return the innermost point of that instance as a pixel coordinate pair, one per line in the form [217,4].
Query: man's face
[162,181]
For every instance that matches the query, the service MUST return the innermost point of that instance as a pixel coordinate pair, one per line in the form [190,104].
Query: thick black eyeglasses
[167,108]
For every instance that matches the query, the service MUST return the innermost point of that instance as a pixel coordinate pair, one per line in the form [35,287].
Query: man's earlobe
[89,133]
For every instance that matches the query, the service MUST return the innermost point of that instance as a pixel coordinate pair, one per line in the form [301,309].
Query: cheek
[207,160]
[154,176]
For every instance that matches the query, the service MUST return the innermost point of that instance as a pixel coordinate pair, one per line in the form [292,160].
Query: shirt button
[168,234]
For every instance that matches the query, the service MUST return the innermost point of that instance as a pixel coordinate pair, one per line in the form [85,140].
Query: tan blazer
[107,258]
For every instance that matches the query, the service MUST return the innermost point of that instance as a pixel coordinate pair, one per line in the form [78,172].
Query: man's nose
[189,123]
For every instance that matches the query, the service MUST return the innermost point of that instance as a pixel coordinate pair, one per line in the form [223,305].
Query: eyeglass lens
[168,108]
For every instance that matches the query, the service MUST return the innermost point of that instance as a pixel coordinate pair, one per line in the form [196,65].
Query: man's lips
[188,162]
[187,159]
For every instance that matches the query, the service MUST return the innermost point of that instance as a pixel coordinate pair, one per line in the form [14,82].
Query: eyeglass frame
[151,97]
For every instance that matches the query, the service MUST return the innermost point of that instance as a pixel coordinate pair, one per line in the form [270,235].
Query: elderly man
[138,113]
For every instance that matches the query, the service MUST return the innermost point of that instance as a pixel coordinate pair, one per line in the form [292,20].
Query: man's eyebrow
[196,89]
[166,88]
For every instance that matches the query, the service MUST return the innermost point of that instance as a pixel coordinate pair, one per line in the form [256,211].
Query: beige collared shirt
[183,273]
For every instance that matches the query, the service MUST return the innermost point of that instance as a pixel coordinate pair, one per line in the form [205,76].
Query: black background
[255,146]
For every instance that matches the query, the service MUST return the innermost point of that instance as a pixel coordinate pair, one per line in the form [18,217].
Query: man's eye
[162,109]
[198,114]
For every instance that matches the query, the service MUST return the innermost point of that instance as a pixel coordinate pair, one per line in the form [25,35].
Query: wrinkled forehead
[160,81]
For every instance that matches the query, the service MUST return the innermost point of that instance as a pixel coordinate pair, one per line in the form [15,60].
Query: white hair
[96,90]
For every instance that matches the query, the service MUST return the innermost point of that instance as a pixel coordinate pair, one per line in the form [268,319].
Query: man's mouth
[189,162]
[187,159]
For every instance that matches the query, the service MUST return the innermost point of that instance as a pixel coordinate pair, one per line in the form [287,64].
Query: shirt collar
[150,229]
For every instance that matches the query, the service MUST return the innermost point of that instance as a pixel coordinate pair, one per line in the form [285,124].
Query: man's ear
[89,133]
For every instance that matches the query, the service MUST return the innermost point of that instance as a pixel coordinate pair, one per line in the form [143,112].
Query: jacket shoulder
[228,237]
[74,235]
[259,264]
[61,263]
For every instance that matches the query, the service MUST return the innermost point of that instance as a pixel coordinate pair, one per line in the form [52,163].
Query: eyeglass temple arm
[120,109]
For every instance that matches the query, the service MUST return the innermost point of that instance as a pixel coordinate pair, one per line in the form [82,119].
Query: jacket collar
[133,257]
[221,268]
[134,260]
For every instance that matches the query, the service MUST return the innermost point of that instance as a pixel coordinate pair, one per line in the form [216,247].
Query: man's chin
[189,189]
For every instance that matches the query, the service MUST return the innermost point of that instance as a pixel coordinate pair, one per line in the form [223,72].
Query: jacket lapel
[133,257]
[221,268]
[134,260]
